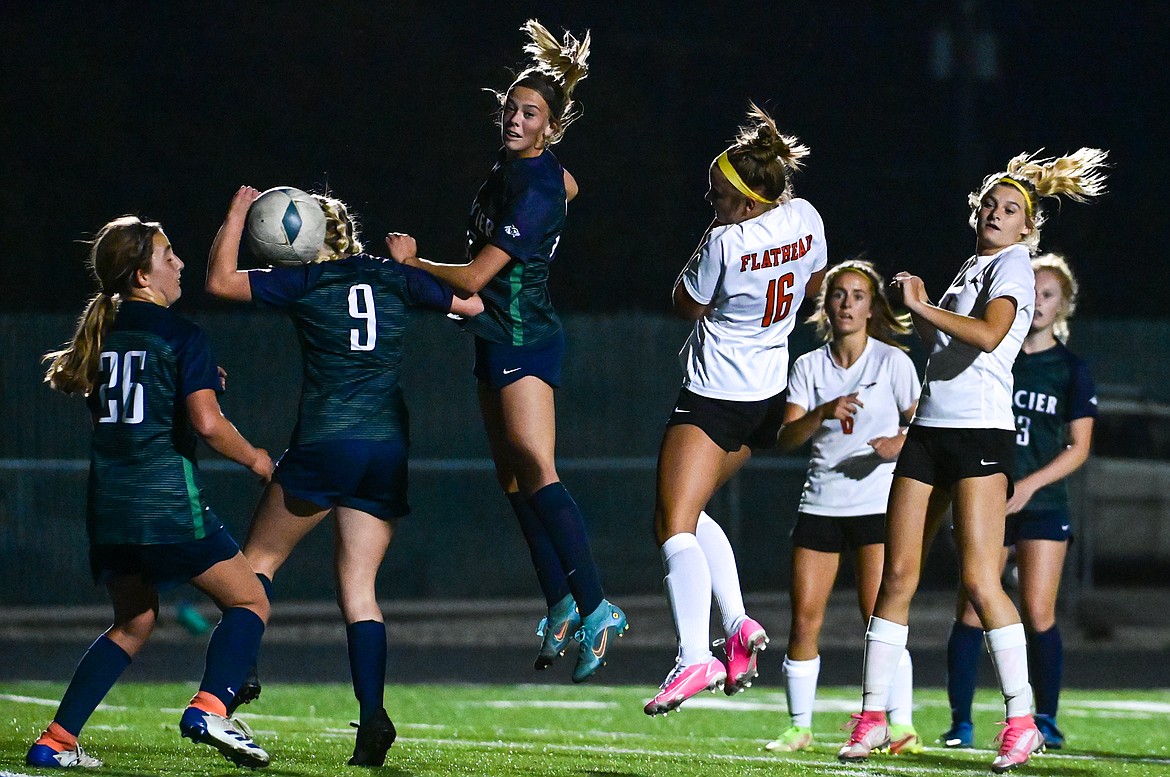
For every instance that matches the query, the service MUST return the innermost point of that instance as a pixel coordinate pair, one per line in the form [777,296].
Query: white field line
[1138,710]
[564,705]
[51,702]
[901,766]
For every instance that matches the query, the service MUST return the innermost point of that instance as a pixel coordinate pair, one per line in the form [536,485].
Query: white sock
[800,687]
[724,573]
[900,707]
[885,642]
[1009,654]
[688,587]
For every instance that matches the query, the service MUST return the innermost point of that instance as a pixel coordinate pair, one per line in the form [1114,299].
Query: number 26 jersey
[753,275]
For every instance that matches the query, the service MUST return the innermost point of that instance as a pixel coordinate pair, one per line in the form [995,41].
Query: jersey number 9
[361,307]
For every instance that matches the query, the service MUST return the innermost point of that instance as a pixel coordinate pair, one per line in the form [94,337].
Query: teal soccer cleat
[596,636]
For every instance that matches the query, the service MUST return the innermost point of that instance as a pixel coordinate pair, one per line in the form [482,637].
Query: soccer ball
[286,226]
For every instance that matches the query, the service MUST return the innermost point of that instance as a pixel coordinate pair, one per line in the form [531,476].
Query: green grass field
[567,730]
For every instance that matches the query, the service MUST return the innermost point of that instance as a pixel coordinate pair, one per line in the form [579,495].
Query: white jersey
[846,477]
[966,388]
[753,274]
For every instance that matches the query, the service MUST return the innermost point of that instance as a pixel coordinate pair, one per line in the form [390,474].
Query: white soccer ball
[286,226]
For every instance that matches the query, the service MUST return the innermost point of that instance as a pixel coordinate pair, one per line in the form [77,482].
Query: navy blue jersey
[520,209]
[1052,388]
[350,316]
[144,484]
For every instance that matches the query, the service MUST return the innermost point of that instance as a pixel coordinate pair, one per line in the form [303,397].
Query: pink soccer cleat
[684,682]
[1017,741]
[870,733]
[742,651]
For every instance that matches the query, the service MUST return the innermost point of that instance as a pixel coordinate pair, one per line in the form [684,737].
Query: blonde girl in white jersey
[853,397]
[960,449]
[760,258]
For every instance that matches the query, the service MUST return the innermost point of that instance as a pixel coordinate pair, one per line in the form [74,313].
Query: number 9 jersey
[350,316]
[753,275]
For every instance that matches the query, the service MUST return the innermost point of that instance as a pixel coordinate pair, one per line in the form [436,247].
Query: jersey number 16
[779,300]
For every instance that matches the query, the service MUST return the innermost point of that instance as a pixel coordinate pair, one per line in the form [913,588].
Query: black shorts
[502,364]
[1052,524]
[838,533]
[731,424]
[166,565]
[366,475]
[943,456]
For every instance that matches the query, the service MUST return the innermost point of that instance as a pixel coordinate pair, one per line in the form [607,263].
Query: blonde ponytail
[121,248]
[1078,176]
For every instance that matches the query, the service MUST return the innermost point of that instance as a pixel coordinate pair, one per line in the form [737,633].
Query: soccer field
[567,730]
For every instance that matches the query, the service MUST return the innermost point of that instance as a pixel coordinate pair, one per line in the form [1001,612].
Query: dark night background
[163,109]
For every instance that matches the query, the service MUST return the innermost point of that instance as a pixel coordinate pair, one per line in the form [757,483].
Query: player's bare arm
[466,279]
[224,278]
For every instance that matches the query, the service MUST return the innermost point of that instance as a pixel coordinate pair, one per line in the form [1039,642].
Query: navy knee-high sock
[367,665]
[267,584]
[545,561]
[230,652]
[964,647]
[565,525]
[253,675]
[96,673]
[1045,667]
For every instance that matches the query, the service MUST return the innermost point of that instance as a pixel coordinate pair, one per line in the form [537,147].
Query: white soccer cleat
[230,737]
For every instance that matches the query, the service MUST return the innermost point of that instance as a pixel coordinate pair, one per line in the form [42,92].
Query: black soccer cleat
[374,738]
[248,693]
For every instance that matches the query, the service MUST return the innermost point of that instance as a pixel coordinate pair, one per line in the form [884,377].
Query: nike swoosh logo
[509,372]
[564,630]
[680,410]
[987,463]
[1064,527]
[599,652]
[869,385]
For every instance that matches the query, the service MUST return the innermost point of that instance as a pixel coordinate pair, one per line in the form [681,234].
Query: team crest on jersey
[512,230]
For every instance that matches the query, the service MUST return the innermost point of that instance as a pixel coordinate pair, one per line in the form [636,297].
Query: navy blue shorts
[166,565]
[366,475]
[501,364]
[731,424]
[836,534]
[943,456]
[1052,524]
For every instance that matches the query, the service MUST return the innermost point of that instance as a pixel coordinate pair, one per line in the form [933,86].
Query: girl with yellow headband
[1055,404]
[762,256]
[960,448]
[853,397]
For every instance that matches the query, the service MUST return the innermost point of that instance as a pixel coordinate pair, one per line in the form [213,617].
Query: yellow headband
[857,271]
[733,177]
[1023,191]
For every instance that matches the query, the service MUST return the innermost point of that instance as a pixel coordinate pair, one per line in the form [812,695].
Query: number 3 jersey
[1052,388]
[846,477]
[350,316]
[144,484]
[753,275]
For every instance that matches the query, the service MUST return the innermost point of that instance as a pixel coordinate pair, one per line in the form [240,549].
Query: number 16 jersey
[753,275]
